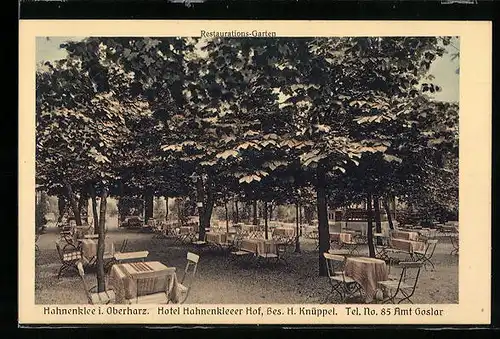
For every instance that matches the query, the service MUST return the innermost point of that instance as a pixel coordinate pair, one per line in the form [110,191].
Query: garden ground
[221,282]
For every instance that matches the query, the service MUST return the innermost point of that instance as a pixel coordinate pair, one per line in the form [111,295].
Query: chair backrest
[410,273]
[430,247]
[334,263]
[124,245]
[191,267]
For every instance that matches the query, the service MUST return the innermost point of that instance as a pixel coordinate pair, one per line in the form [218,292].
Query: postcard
[254,172]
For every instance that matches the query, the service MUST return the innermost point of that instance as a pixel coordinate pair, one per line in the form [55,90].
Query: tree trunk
[300,219]
[266,231]
[61,205]
[254,209]
[208,209]
[270,211]
[227,215]
[378,221]
[308,214]
[94,208]
[100,242]
[200,197]
[236,213]
[297,222]
[323,232]
[166,208]
[388,211]
[376,207]
[74,204]
[149,204]
[369,233]
[83,207]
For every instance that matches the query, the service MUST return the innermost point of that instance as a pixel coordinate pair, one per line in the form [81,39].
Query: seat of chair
[393,284]
[181,288]
[199,242]
[268,255]
[342,278]
[419,252]
[105,297]
[154,298]
[131,255]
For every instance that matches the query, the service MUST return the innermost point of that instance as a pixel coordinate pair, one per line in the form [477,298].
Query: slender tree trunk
[179,211]
[200,197]
[73,203]
[166,208]
[270,211]
[236,213]
[266,229]
[300,219]
[83,206]
[308,214]
[297,222]
[227,215]
[208,209]
[378,221]
[388,212]
[101,242]
[149,204]
[369,234]
[94,208]
[61,205]
[254,210]
[323,231]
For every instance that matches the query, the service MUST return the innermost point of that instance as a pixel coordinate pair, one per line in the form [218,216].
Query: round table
[367,272]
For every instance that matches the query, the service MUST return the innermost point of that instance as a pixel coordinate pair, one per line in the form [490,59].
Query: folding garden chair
[341,284]
[404,286]
[95,298]
[69,258]
[426,256]
[190,270]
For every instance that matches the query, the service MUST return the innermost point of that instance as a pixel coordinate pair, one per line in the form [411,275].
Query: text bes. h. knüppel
[249,310]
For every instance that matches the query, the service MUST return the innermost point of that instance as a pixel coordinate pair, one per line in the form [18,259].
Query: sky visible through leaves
[444,69]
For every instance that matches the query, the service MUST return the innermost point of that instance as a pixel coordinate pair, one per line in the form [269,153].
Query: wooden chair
[191,266]
[426,256]
[405,285]
[143,288]
[95,298]
[69,258]
[341,284]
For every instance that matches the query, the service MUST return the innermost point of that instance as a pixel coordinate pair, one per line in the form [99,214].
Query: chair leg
[60,271]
